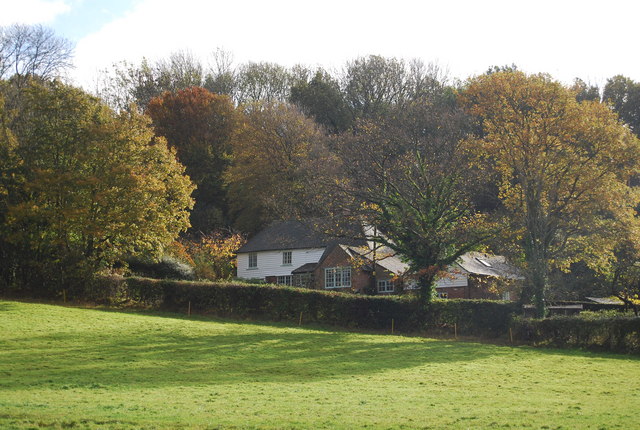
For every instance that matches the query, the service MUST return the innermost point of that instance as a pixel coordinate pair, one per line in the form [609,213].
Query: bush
[619,333]
[213,255]
[166,268]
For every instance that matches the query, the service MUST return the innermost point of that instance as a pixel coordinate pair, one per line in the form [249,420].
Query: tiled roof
[606,300]
[305,268]
[393,264]
[286,235]
[384,258]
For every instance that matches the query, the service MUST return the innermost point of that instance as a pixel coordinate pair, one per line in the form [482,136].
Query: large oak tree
[406,175]
[564,168]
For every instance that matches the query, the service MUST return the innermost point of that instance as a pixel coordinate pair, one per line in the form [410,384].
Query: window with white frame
[385,286]
[286,258]
[337,277]
[442,295]
[285,280]
[411,285]
[253,260]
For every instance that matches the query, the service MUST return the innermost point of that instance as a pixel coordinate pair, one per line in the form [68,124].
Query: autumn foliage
[213,255]
[82,188]
[564,168]
[199,125]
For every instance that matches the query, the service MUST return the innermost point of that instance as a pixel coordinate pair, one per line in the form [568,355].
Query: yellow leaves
[563,165]
[97,183]
[213,255]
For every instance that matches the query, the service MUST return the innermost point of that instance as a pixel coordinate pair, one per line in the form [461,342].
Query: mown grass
[81,368]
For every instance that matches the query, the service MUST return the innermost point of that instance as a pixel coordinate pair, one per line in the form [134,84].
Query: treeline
[246,132]
[507,161]
[431,162]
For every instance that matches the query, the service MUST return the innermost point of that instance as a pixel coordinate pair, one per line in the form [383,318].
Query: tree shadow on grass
[156,360]
[204,351]
[7,306]
[547,350]
[574,352]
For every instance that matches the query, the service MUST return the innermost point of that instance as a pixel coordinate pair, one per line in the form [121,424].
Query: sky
[592,40]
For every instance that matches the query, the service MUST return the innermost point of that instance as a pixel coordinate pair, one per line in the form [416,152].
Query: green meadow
[64,367]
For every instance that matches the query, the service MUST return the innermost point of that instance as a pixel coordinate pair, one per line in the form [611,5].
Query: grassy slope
[78,368]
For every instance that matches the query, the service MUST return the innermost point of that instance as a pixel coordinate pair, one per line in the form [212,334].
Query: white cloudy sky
[593,40]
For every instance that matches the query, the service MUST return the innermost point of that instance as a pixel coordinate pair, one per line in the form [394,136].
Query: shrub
[212,255]
[472,317]
[166,268]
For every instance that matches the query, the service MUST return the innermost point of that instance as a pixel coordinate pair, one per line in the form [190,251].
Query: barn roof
[479,263]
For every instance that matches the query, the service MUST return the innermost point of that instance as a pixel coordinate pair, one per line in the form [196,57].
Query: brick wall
[337,257]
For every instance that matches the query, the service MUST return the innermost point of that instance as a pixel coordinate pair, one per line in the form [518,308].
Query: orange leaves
[199,126]
[212,255]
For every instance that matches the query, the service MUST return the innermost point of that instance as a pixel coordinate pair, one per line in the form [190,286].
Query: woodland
[177,161]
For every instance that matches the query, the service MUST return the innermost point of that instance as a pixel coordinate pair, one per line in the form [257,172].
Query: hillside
[85,368]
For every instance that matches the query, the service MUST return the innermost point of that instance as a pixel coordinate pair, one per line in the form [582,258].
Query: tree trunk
[538,273]
[539,285]
[425,283]
[536,248]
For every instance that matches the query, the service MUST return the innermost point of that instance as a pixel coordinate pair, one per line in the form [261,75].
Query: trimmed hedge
[485,318]
[278,303]
[617,333]
[472,317]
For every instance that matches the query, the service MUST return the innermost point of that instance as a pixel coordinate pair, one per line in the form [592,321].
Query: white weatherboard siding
[453,279]
[270,262]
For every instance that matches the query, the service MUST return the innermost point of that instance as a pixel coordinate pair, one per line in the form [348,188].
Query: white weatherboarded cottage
[276,251]
[296,253]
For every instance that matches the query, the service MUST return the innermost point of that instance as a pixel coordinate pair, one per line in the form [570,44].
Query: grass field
[80,368]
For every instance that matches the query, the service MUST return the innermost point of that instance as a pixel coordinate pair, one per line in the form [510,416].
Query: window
[286,258]
[285,280]
[506,295]
[253,260]
[337,277]
[385,286]
[411,284]
[304,280]
[443,295]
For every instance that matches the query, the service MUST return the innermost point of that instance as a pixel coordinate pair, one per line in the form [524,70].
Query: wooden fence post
[189,310]
[300,320]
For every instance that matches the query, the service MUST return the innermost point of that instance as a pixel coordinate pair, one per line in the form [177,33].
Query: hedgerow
[607,330]
[278,303]
[619,333]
